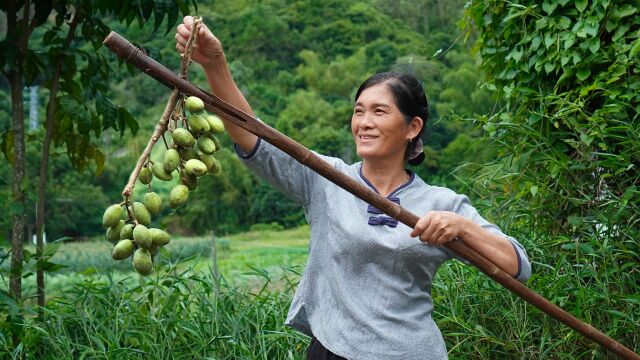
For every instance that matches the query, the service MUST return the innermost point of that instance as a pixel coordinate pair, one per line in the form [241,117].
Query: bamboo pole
[121,47]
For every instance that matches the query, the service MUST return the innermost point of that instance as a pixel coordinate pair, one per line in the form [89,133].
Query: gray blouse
[366,289]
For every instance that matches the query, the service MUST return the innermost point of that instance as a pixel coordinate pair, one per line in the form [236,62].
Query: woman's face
[378,127]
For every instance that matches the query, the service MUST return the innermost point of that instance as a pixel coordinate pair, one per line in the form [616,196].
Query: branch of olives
[190,153]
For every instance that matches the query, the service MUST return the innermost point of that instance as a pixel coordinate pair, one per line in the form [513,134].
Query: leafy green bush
[567,132]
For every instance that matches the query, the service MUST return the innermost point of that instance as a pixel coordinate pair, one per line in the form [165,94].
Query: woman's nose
[365,121]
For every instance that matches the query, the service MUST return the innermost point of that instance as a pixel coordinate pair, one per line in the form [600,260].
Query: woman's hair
[409,97]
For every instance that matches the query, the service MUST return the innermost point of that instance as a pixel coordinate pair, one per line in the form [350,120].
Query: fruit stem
[160,129]
[165,141]
[191,43]
[126,202]
[166,115]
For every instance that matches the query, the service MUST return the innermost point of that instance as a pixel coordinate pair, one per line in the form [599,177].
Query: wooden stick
[131,54]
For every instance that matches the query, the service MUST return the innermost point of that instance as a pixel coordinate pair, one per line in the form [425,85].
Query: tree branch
[166,115]
[160,129]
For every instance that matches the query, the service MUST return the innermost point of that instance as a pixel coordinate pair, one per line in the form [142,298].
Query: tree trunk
[44,163]
[19,165]
[17,235]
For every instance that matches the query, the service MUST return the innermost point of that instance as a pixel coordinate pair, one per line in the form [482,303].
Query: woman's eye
[357,111]
[379,112]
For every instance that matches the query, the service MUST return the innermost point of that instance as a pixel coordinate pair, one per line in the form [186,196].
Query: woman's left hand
[439,227]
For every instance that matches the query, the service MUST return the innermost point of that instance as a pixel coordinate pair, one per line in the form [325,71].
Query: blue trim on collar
[412,176]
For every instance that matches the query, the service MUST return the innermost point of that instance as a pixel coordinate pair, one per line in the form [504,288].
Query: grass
[239,257]
[100,309]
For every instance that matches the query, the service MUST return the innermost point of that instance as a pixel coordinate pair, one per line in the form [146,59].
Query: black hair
[410,98]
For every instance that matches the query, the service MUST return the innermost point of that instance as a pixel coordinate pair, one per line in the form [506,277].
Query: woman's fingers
[431,233]
[421,225]
[184,31]
[444,238]
[436,228]
[426,227]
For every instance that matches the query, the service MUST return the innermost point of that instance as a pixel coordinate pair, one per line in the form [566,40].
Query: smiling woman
[366,289]
[389,116]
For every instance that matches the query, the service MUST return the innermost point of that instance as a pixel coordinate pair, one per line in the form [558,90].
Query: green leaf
[549,67]
[107,111]
[583,74]
[43,265]
[548,6]
[516,54]
[569,40]
[581,4]
[586,139]
[534,190]
[173,12]
[594,45]
[146,9]
[617,70]
[129,121]
[51,249]
[635,49]
[9,303]
[591,29]
[564,22]
[549,39]
[534,118]
[159,12]
[535,43]
[624,11]
[99,158]
[620,32]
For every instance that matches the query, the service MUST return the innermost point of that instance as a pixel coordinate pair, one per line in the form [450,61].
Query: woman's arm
[210,55]
[439,227]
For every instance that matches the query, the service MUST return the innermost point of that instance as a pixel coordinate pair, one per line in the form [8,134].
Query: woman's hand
[208,48]
[439,227]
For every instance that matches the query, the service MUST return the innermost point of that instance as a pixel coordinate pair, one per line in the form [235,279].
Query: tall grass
[176,315]
[183,312]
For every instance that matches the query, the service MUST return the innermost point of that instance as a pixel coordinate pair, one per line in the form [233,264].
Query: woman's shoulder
[336,162]
[441,197]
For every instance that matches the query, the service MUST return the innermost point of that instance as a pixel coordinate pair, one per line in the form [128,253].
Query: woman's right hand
[210,55]
[208,48]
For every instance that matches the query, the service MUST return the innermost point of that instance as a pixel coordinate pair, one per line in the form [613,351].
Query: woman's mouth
[366,138]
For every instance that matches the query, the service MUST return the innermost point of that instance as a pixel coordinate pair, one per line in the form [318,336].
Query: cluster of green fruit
[135,237]
[191,156]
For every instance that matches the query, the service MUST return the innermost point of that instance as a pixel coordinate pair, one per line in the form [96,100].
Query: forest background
[299,66]
[534,115]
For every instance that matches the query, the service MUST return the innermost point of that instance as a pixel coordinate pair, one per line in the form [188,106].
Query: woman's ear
[414,127]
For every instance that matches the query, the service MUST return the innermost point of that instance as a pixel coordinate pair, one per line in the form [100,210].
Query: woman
[366,289]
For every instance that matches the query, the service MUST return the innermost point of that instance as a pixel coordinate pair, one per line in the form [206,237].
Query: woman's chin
[365,153]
